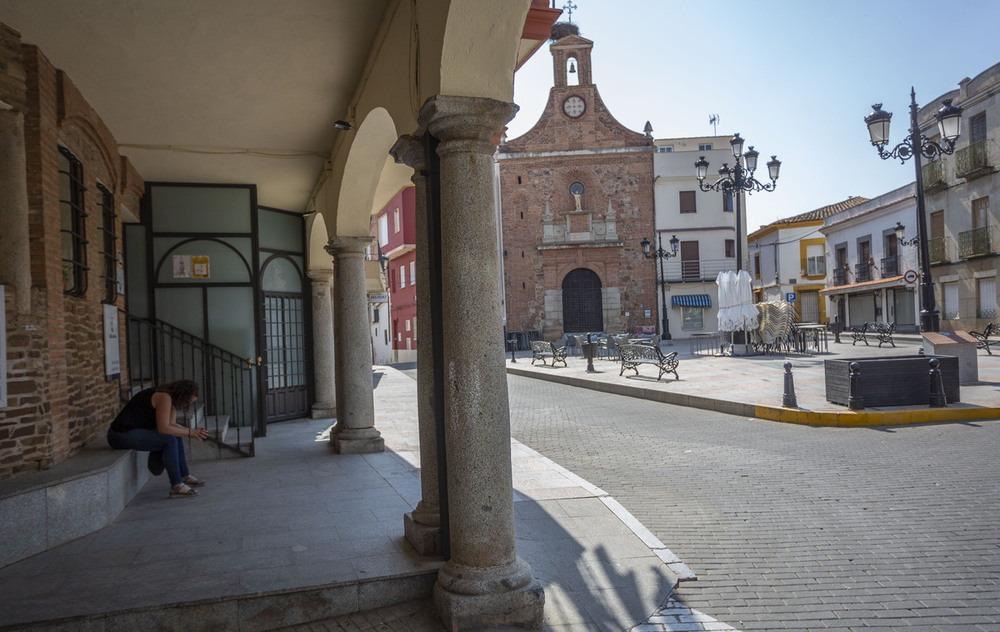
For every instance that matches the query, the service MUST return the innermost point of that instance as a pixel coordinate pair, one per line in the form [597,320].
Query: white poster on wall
[112,350]
[3,349]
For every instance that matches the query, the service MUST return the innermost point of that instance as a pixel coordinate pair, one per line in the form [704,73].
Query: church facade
[576,201]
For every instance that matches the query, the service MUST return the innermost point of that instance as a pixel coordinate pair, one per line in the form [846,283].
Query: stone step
[42,510]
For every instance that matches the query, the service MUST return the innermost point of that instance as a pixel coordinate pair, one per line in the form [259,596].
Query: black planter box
[892,380]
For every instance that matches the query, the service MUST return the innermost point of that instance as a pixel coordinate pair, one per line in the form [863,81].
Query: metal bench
[983,339]
[884,333]
[541,349]
[860,334]
[632,355]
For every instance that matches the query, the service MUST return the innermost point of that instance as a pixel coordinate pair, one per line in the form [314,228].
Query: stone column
[324,373]
[355,431]
[422,526]
[15,261]
[484,583]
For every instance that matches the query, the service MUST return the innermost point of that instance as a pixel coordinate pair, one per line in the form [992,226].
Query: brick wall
[624,180]
[59,397]
[615,165]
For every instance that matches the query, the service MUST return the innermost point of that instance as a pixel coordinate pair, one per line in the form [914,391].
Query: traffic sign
[790,297]
[910,277]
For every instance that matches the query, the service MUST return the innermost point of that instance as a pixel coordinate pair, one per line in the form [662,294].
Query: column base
[469,598]
[357,440]
[323,410]
[422,530]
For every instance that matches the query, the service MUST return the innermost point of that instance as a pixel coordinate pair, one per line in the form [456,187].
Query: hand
[198,433]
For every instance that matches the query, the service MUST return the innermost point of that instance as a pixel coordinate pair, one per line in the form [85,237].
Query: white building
[962,202]
[704,226]
[870,277]
[788,260]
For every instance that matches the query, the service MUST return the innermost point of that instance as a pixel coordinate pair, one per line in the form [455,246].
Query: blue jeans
[152,441]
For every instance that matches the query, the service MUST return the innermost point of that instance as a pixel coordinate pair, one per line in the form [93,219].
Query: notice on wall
[182,266]
[191,266]
[3,349]
[199,267]
[112,348]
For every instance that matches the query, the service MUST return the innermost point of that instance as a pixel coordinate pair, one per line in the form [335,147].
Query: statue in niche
[576,190]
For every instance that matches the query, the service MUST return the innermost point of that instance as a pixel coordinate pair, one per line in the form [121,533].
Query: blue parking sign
[790,297]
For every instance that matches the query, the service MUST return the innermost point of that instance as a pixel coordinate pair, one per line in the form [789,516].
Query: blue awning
[692,300]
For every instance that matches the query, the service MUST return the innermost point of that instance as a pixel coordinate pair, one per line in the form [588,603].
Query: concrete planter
[891,381]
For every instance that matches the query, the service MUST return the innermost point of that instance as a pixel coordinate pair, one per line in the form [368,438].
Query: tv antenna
[713,120]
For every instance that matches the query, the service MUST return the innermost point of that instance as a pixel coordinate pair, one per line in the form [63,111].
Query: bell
[572,68]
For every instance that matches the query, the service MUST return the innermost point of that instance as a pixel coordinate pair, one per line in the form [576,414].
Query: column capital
[409,150]
[320,275]
[338,246]
[475,120]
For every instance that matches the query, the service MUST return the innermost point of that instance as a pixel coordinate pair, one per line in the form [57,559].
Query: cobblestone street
[792,526]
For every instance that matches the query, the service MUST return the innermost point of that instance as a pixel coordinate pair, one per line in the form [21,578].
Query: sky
[794,77]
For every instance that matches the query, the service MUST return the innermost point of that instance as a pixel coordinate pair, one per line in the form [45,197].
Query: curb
[834,418]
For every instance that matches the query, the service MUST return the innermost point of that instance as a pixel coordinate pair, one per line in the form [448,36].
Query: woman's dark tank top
[138,413]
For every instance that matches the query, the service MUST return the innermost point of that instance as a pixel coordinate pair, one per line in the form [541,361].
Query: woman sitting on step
[148,423]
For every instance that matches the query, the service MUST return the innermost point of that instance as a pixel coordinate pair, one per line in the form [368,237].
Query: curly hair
[181,393]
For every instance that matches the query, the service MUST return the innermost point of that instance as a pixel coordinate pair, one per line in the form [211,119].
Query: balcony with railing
[938,250]
[890,266]
[862,272]
[933,176]
[697,270]
[973,161]
[840,276]
[978,242]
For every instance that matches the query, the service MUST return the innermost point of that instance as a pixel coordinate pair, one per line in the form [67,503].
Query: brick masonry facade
[59,398]
[547,234]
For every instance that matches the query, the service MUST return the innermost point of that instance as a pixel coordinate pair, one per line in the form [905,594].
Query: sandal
[191,481]
[182,491]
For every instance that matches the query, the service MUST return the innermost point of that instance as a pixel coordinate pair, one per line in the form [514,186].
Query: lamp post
[949,119]
[661,254]
[737,180]
[900,231]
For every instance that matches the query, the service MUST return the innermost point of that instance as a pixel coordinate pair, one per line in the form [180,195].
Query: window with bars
[72,224]
[109,280]
[977,128]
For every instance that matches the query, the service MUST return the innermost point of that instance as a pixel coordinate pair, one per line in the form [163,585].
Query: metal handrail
[696,270]
[160,352]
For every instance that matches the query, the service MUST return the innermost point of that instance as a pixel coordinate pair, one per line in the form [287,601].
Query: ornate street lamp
[900,231]
[949,119]
[661,254]
[736,180]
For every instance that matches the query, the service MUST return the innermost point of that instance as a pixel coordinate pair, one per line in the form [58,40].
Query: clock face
[574,106]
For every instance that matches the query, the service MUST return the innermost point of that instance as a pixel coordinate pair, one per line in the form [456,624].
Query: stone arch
[454,48]
[362,177]
[317,258]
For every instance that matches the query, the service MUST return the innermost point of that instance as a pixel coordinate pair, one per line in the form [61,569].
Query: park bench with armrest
[860,334]
[884,333]
[632,355]
[541,349]
[983,339]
